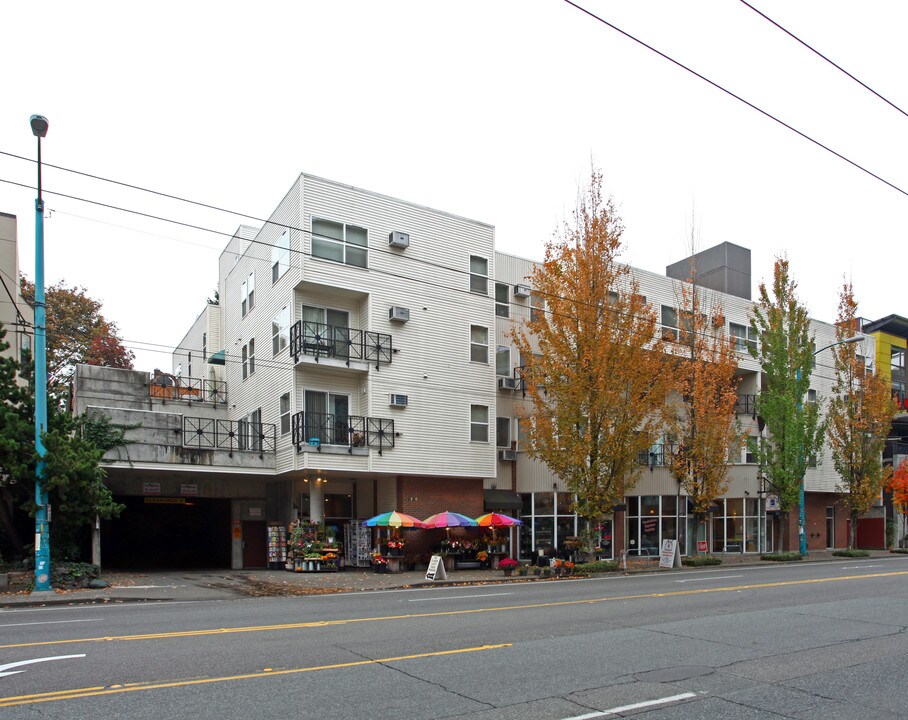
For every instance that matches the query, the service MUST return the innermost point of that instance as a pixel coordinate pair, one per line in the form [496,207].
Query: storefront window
[652,519]
[544,503]
[733,531]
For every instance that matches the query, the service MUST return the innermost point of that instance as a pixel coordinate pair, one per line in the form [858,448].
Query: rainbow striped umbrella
[393,519]
[448,519]
[497,520]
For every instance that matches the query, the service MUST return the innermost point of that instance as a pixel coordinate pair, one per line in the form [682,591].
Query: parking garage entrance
[168,533]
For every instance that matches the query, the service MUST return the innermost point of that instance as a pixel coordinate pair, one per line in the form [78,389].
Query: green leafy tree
[859,417]
[73,477]
[593,368]
[785,353]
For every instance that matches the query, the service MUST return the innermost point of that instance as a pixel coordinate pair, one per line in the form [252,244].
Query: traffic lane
[133,661]
[596,670]
[124,618]
[470,602]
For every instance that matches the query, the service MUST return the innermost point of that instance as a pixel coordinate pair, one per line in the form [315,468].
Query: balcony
[746,405]
[171,387]
[311,431]
[320,340]
[230,435]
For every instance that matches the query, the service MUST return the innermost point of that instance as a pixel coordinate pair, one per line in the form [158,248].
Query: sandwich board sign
[670,557]
[436,569]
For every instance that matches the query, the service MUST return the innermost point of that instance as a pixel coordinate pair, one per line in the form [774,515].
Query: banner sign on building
[151,488]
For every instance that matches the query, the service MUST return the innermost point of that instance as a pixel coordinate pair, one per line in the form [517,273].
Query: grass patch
[850,553]
[782,557]
[599,566]
[700,561]
[899,551]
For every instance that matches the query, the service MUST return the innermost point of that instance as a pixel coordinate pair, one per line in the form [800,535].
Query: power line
[737,97]
[817,52]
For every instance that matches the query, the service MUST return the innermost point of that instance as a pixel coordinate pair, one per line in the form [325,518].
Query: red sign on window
[702,545]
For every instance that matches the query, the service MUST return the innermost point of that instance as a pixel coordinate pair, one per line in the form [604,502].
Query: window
[503,432]
[25,347]
[537,307]
[502,304]
[669,323]
[280,331]
[479,344]
[285,413]
[249,358]
[341,243]
[811,397]
[479,423]
[327,417]
[204,347]
[479,275]
[318,328]
[247,294]
[280,256]
[744,337]
[249,431]
[189,365]
[503,360]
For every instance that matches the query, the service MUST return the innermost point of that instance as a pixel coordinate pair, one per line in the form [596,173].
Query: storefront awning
[502,500]
[219,358]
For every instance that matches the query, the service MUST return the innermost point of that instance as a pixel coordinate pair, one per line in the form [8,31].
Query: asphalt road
[825,640]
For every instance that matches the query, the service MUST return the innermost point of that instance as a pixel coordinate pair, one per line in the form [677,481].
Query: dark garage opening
[171,533]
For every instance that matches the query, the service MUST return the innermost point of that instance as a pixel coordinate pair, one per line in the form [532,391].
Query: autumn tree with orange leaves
[701,417]
[593,367]
[860,413]
[898,486]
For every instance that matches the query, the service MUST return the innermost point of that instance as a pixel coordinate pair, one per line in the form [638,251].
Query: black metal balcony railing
[746,405]
[657,456]
[170,387]
[230,435]
[323,340]
[350,431]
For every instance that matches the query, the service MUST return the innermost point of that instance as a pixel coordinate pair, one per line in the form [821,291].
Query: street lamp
[802,514]
[42,531]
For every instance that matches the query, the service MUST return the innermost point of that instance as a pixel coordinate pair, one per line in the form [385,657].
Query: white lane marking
[635,706]
[9,666]
[716,577]
[149,587]
[51,622]
[858,567]
[463,597]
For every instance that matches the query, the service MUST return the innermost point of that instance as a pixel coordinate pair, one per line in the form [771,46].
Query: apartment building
[17,316]
[358,360]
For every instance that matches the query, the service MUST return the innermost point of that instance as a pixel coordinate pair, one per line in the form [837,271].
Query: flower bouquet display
[508,565]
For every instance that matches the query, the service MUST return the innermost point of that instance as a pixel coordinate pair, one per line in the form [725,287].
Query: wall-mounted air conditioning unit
[398,400]
[399,314]
[399,239]
[506,383]
[508,455]
[522,290]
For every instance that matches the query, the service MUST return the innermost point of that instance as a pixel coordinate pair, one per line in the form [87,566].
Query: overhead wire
[821,55]
[740,99]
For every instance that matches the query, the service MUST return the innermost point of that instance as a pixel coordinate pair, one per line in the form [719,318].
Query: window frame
[482,426]
[343,243]
[743,341]
[474,345]
[502,307]
[280,332]
[280,256]
[247,295]
[248,358]
[284,413]
[499,421]
[500,351]
[537,307]
[479,278]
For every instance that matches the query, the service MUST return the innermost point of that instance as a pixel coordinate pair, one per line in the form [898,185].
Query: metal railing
[170,387]
[313,430]
[323,340]
[230,435]
[746,405]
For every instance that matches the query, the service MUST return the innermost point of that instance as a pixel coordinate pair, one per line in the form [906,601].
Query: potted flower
[395,547]
[483,558]
[522,570]
[568,567]
[379,563]
[507,565]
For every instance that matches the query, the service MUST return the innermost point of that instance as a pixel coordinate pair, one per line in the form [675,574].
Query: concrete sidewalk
[206,585]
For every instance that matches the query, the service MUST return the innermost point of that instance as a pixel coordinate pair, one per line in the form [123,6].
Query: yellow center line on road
[444,613]
[139,687]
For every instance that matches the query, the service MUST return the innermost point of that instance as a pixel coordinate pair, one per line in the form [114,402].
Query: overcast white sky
[491,109]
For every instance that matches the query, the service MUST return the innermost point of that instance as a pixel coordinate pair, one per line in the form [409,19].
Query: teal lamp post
[42,530]
[802,514]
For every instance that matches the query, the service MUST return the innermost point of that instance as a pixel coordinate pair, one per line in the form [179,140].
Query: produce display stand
[312,549]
